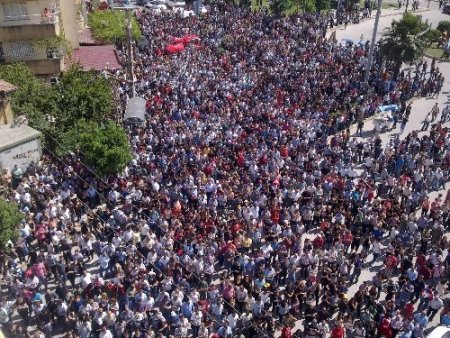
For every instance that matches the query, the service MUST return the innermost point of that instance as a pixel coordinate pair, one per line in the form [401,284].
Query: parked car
[440,332]
[141,2]
[175,4]
[446,8]
[202,10]
[158,5]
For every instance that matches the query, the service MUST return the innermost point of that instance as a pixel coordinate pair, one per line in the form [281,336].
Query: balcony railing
[26,51]
[30,19]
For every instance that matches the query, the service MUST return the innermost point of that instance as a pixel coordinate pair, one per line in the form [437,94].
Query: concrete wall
[46,66]
[28,32]
[70,21]
[65,21]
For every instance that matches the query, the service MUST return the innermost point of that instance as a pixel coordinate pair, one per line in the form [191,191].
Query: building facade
[29,31]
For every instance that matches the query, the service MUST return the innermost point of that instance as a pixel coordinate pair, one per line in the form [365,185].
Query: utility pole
[372,44]
[130,65]
[130,52]
[197,7]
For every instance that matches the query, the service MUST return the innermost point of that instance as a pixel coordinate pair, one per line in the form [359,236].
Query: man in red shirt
[338,331]
[286,332]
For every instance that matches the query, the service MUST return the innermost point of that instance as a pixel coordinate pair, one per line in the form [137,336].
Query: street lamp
[372,44]
[128,10]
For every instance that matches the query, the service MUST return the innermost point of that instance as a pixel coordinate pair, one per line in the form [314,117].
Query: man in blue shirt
[187,308]
[421,318]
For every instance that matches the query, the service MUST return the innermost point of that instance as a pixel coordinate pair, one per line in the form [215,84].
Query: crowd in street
[249,209]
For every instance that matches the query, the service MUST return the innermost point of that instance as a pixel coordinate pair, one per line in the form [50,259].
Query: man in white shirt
[376,250]
[85,279]
[85,329]
[104,264]
[196,321]
[434,306]
[105,333]
[232,319]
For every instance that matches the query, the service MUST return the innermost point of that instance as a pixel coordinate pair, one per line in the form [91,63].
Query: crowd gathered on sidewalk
[249,209]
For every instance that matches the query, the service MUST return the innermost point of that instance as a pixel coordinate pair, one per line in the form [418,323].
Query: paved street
[421,106]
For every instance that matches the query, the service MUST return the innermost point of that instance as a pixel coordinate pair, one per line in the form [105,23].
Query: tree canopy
[32,97]
[83,95]
[279,7]
[323,5]
[405,40]
[443,26]
[10,217]
[79,96]
[110,26]
[104,147]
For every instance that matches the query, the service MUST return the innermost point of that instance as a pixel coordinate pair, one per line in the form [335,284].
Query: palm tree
[405,41]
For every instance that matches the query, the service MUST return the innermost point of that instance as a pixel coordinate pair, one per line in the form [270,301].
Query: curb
[370,118]
[335,28]
[438,59]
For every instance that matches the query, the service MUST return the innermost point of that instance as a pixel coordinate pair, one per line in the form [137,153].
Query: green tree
[10,218]
[33,98]
[353,4]
[308,6]
[279,7]
[82,95]
[79,96]
[104,147]
[110,26]
[58,44]
[405,40]
[443,26]
[432,36]
[323,5]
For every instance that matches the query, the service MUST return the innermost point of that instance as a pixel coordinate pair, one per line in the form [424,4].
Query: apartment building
[29,30]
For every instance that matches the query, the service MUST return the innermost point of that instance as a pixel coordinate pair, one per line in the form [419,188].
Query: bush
[433,36]
[83,95]
[308,5]
[110,26]
[104,147]
[32,97]
[79,96]
[10,217]
[444,26]
[322,5]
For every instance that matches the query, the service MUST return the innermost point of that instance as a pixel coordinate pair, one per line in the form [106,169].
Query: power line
[153,265]
[148,218]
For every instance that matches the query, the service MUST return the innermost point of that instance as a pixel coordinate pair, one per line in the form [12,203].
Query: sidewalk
[384,13]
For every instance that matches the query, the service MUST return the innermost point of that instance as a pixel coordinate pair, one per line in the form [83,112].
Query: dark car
[446,8]
[141,2]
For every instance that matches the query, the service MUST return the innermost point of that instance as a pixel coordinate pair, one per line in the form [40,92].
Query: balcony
[41,61]
[29,26]
[26,51]
[49,18]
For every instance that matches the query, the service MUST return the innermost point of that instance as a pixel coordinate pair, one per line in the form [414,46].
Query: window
[15,11]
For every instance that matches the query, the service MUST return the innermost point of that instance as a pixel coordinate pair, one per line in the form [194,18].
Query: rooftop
[6,86]
[11,135]
[86,38]
[97,57]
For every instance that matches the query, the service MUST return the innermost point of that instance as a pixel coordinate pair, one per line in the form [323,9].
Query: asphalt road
[420,106]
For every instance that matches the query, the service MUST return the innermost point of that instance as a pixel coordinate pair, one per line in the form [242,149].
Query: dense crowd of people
[249,210]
